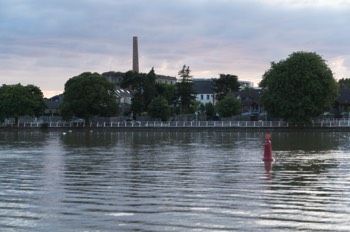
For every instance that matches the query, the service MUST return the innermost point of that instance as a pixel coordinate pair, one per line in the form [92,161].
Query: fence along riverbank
[326,124]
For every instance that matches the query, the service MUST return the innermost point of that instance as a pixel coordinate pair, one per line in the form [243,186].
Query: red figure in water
[267,149]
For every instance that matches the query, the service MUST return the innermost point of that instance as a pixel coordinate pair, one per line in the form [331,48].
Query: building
[341,106]
[53,104]
[165,79]
[204,90]
[245,84]
[124,98]
[115,77]
[251,102]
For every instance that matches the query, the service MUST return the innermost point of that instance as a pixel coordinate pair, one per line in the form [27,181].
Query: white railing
[153,124]
[208,124]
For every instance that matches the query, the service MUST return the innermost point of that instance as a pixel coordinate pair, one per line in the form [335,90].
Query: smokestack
[135,55]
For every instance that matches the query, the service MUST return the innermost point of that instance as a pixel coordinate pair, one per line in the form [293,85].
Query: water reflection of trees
[21,139]
[305,141]
[303,168]
[301,181]
[76,139]
[136,139]
[157,150]
[21,152]
[303,156]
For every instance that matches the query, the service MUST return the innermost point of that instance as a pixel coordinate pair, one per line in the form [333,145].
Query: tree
[137,104]
[167,91]
[159,108]
[87,95]
[18,100]
[132,80]
[246,88]
[298,88]
[144,86]
[226,83]
[344,83]
[228,106]
[36,100]
[185,91]
[149,88]
[209,110]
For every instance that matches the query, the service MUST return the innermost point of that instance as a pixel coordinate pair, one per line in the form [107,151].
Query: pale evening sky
[46,42]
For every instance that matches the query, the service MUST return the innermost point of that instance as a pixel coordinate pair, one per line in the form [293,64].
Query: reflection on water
[173,181]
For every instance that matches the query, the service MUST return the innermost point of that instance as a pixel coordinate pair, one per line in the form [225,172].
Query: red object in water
[267,149]
[268,166]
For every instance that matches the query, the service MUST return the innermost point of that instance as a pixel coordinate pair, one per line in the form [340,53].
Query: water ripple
[172,182]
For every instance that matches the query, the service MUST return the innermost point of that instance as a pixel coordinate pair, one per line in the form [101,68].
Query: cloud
[302,4]
[47,42]
[340,66]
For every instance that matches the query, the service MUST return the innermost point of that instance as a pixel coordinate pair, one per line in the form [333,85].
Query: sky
[47,42]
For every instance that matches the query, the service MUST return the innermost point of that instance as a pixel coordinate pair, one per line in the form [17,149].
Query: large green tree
[224,84]
[18,100]
[87,95]
[298,88]
[168,91]
[228,106]
[159,108]
[185,90]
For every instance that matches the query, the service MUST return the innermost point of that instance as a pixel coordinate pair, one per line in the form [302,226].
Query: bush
[44,125]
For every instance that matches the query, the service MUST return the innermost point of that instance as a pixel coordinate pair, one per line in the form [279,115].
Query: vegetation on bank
[295,89]
[18,100]
[299,88]
[159,100]
[88,95]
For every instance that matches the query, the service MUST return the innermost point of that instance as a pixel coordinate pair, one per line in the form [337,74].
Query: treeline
[90,94]
[18,100]
[295,90]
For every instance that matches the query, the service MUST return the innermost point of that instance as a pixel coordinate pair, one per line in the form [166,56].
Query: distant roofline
[202,79]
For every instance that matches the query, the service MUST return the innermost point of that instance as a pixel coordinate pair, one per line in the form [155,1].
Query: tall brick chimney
[135,55]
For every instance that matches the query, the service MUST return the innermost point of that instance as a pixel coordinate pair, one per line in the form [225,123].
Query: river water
[173,181]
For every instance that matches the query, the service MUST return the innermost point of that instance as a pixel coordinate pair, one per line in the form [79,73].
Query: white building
[165,79]
[204,90]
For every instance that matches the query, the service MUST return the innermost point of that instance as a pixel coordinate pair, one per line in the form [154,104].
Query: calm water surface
[173,181]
